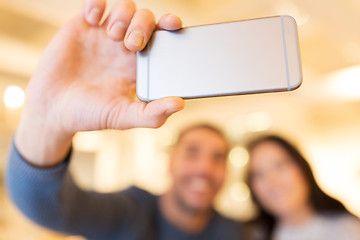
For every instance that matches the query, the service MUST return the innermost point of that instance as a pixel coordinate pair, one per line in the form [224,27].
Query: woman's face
[277,182]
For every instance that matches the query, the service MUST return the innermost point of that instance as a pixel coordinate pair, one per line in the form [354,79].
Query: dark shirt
[50,198]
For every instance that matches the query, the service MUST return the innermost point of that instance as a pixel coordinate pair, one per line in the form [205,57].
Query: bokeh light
[238,157]
[14,97]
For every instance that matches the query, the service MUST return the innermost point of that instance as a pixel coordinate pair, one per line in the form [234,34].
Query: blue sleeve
[49,197]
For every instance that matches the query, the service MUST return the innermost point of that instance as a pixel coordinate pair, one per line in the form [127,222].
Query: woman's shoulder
[348,225]
[349,220]
[341,218]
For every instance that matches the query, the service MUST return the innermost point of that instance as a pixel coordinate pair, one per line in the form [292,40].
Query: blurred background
[322,116]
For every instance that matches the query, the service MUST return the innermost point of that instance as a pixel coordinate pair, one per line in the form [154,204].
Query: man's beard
[181,203]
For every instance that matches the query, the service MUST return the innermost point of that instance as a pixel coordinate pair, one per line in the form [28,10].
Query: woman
[291,204]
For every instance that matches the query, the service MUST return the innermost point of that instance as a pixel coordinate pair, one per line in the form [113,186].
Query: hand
[86,81]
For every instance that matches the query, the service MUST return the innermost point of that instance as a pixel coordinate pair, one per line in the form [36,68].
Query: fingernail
[171,111]
[172,15]
[93,17]
[117,30]
[136,38]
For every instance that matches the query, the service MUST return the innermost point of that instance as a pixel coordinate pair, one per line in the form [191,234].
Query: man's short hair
[205,126]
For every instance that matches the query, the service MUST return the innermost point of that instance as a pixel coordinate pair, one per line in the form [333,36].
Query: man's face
[198,167]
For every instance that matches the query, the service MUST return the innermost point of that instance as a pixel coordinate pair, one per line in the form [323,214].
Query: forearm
[49,197]
[35,191]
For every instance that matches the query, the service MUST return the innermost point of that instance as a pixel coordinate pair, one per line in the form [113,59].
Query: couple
[85,81]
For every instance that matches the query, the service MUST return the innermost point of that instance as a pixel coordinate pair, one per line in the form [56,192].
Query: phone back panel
[259,55]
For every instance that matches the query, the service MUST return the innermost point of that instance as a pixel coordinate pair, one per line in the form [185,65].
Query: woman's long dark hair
[320,201]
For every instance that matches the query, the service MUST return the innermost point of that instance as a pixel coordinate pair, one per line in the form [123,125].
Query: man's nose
[206,164]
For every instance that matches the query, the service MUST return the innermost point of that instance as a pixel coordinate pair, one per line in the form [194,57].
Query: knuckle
[145,13]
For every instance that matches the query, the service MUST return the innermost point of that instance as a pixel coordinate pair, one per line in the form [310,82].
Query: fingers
[169,22]
[140,29]
[143,25]
[135,26]
[94,9]
[119,19]
[125,23]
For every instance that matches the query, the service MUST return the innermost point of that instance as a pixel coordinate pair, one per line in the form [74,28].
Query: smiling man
[84,82]
[198,167]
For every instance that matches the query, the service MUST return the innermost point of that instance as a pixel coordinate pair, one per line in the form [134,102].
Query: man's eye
[219,157]
[192,152]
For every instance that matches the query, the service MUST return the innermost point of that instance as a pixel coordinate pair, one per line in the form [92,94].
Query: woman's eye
[281,165]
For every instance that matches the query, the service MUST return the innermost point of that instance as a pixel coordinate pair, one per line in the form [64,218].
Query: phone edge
[142,75]
[292,83]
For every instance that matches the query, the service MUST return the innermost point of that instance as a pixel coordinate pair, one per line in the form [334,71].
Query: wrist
[40,143]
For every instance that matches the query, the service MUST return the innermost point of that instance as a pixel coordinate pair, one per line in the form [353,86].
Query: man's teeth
[199,184]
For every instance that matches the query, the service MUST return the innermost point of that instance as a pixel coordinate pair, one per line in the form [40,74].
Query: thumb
[141,114]
[157,112]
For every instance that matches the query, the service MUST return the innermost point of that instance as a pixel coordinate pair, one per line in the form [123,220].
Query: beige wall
[323,116]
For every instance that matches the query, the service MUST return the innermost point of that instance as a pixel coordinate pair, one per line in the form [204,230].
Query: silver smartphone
[240,57]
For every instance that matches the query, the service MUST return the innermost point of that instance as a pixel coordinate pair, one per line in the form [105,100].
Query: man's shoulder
[137,191]
[223,221]
[226,227]
[141,196]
